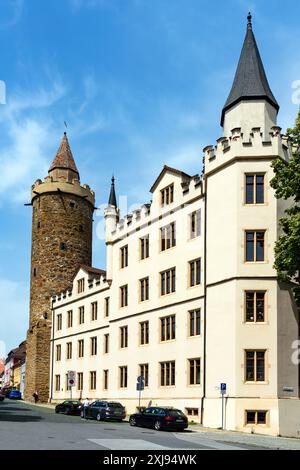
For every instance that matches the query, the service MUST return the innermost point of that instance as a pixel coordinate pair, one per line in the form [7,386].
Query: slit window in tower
[255,189]
[63,246]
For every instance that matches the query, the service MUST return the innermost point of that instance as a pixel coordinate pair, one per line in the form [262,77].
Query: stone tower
[61,241]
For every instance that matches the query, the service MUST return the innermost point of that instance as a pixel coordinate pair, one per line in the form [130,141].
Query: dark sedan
[104,410]
[160,418]
[69,407]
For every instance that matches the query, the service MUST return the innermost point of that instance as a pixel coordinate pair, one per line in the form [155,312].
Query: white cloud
[14,307]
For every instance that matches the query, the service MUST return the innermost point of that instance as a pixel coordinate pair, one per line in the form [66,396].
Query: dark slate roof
[250,80]
[112,197]
[92,271]
[166,169]
[64,157]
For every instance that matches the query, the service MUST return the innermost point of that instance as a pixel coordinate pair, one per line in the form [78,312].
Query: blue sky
[141,83]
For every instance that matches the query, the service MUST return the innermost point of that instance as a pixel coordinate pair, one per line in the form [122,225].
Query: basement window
[256,417]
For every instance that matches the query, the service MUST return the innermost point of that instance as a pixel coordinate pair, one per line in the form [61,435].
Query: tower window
[34,272]
[39,225]
[63,246]
[81,228]
[254,193]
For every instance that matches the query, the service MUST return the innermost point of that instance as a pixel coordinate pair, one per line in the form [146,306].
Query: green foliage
[286,183]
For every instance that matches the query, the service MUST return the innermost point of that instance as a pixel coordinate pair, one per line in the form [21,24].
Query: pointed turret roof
[250,80]
[112,197]
[64,157]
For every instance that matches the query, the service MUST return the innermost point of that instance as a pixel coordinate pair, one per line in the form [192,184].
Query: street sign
[140,386]
[71,378]
[223,388]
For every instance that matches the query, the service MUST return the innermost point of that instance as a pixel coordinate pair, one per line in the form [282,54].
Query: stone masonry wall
[61,241]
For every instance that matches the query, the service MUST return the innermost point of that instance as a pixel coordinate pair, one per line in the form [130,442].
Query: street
[29,427]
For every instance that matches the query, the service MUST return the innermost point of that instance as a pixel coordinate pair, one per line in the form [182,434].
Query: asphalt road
[28,427]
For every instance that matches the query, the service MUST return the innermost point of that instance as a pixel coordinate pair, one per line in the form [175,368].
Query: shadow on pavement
[14,418]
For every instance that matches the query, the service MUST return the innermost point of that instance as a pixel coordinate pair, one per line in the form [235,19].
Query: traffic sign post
[223,390]
[140,386]
[71,380]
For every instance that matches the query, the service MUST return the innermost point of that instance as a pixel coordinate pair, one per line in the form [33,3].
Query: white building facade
[189,298]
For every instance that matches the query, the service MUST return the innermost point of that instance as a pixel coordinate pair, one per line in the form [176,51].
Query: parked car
[69,407]
[2,396]
[15,395]
[104,410]
[160,418]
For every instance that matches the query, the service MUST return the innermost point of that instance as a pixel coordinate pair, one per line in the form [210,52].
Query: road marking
[128,444]
[206,442]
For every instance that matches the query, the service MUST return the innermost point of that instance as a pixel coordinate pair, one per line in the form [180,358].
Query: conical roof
[112,197]
[250,80]
[64,157]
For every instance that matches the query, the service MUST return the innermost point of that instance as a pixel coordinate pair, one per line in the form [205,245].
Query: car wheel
[56,411]
[98,417]
[157,425]
[132,422]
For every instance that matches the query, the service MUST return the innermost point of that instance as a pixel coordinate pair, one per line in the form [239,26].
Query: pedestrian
[85,404]
[35,397]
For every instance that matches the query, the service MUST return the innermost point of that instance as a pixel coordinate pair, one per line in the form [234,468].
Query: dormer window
[167,195]
[80,286]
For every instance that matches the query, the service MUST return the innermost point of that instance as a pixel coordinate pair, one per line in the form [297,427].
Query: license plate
[179,420]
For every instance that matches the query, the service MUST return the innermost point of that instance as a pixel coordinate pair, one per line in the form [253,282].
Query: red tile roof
[64,157]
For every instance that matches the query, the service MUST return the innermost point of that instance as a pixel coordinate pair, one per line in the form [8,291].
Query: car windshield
[176,413]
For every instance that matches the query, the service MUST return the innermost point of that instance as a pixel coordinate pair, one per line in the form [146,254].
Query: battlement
[49,185]
[237,147]
[150,212]
[94,284]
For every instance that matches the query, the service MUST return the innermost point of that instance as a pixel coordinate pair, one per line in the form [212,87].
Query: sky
[140,84]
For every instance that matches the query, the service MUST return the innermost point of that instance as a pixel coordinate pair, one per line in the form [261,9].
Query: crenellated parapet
[49,185]
[94,284]
[236,146]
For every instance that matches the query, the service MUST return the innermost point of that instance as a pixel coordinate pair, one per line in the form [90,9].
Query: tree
[286,183]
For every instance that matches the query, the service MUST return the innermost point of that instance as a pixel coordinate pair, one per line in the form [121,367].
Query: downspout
[52,346]
[205,302]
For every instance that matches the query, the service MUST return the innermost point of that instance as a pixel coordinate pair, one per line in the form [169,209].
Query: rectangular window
[256,417]
[106,307]
[167,195]
[195,224]
[167,374]
[94,311]
[94,346]
[80,286]
[57,383]
[255,366]
[124,256]
[168,237]
[195,272]
[59,322]
[195,322]
[81,348]
[81,315]
[168,281]
[255,192]
[194,371]
[80,381]
[106,343]
[124,337]
[70,319]
[144,332]
[124,296]
[255,306]
[68,386]
[144,289]
[192,412]
[58,352]
[123,376]
[69,350]
[105,379]
[255,245]
[144,247]
[144,372]
[168,328]
[93,380]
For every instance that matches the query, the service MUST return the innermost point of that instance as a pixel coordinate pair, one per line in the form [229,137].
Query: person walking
[85,404]
[35,397]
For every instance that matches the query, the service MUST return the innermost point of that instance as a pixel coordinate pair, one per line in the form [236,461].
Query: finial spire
[112,197]
[249,18]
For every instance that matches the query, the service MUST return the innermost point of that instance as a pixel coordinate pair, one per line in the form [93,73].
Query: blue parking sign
[223,388]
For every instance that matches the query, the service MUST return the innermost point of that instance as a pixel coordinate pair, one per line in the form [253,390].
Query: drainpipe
[205,302]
